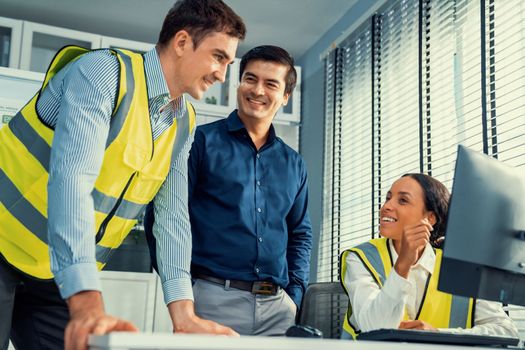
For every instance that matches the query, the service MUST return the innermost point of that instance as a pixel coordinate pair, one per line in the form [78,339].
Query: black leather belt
[257,287]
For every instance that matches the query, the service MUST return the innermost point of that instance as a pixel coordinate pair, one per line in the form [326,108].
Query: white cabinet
[288,133]
[117,43]
[130,296]
[32,46]
[16,89]
[10,37]
[40,43]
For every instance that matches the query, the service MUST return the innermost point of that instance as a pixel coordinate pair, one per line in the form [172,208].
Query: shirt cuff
[396,287]
[77,278]
[177,289]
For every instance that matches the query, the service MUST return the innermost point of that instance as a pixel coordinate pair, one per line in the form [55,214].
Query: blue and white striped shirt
[78,103]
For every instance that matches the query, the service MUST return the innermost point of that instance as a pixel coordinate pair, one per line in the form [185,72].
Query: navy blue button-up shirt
[248,208]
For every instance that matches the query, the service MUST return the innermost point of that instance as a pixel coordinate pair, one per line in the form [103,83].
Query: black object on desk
[418,336]
[303,332]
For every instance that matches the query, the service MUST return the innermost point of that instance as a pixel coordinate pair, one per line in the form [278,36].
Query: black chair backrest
[324,306]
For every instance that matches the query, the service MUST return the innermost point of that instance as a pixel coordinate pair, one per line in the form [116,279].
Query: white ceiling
[293,24]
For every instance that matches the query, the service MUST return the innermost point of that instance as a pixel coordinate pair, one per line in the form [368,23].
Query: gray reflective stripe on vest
[21,208]
[183,130]
[345,335]
[126,209]
[34,143]
[117,121]
[372,254]
[459,312]
[103,253]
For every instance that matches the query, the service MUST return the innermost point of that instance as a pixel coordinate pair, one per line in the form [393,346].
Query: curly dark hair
[437,198]
[200,18]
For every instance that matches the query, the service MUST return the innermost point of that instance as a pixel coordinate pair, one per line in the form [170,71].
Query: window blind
[396,112]
[416,80]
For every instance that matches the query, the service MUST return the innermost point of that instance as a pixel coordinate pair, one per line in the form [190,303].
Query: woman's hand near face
[413,242]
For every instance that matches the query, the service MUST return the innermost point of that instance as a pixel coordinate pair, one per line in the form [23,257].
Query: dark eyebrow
[273,81]
[226,56]
[406,194]
[249,74]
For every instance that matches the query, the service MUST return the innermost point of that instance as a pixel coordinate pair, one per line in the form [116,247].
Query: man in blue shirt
[248,207]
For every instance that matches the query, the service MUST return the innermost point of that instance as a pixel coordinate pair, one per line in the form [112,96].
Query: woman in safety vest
[392,281]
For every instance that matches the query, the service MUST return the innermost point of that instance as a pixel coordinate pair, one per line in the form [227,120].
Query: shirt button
[260,239]
[258,183]
[258,156]
[259,210]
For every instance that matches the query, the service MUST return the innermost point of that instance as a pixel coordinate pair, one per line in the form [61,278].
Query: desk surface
[166,341]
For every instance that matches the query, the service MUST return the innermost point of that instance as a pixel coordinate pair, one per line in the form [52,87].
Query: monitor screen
[484,249]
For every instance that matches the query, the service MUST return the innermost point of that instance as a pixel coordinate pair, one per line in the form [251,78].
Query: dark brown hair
[272,54]
[200,18]
[436,199]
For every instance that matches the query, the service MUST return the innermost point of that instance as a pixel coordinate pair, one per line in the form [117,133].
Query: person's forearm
[182,314]
[374,307]
[85,301]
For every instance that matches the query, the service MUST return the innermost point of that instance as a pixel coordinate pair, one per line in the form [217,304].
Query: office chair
[324,306]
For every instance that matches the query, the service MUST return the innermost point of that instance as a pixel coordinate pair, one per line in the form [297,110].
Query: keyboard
[418,336]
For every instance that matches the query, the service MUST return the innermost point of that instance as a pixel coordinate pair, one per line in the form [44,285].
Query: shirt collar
[157,85]
[427,260]
[235,124]
[155,80]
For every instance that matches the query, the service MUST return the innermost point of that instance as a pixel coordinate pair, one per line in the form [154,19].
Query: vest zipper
[102,229]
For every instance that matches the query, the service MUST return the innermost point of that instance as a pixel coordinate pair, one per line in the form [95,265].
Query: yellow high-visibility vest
[133,169]
[441,310]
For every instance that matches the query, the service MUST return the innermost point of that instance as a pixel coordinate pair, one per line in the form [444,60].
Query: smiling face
[198,68]
[261,91]
[404,206]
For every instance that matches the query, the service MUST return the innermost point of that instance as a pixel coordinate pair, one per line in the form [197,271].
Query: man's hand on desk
[417,324]
[86,310]
[184,320]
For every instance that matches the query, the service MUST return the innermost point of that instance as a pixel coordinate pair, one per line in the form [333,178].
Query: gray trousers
[32,313]
[246,313]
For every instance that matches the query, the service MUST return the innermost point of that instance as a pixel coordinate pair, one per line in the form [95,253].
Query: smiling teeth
[387,219]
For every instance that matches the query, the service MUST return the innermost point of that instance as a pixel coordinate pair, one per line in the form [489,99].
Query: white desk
[165,341]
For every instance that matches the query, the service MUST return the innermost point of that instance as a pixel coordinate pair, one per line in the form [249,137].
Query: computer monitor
[484,249]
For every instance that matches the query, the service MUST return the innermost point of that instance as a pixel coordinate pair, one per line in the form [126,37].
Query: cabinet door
[16,88]
[10,38]
[289,133]
[116,43]
[40,43]
[131,296]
